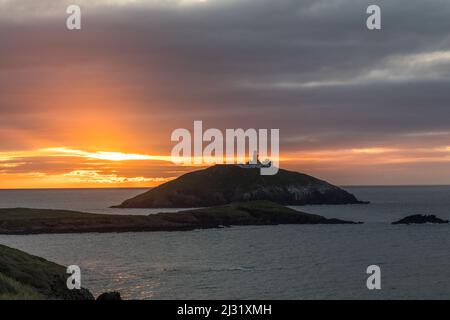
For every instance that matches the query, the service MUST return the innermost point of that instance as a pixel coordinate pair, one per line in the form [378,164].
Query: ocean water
[260,262]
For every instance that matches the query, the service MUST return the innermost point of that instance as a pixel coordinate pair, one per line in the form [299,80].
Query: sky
[96,107]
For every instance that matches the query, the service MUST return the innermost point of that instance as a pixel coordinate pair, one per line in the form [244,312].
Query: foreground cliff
[223,184]
[26,277]
[36,221]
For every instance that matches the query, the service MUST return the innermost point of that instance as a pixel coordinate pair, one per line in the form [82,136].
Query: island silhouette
[224,184]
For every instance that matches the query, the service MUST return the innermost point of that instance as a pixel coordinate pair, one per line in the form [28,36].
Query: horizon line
[342,186]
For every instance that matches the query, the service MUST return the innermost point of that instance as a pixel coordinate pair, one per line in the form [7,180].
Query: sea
[256,262]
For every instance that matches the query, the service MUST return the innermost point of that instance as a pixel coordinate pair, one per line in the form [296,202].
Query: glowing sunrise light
[103,155]
[372,150]
[94,176]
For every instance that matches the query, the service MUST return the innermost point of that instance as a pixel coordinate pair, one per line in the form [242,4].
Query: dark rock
[109,296]
[419,219]
[224,184]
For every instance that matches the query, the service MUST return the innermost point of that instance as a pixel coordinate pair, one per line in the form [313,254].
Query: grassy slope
[254,212]
[33,221]
[23,276]
[222,184]
[11,289]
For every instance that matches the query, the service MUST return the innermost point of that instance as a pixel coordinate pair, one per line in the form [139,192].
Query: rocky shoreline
[38,221]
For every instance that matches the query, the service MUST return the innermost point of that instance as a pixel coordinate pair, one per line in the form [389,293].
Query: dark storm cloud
[310,68]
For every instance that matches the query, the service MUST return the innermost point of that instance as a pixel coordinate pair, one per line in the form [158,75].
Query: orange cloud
[104,155]
[64,167]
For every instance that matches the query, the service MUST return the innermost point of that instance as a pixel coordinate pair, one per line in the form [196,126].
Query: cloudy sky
[96,107]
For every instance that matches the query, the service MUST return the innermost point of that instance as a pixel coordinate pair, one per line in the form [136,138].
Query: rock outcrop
[109,296]
[420,219]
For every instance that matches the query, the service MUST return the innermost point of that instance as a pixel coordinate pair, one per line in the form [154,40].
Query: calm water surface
[265,262]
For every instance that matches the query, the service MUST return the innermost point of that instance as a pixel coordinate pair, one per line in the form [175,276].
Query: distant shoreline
[24,221]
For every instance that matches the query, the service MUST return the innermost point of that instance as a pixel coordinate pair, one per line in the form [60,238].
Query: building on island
[255,163]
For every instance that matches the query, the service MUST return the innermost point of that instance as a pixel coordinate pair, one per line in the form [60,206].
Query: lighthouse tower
[255,159]
[255,163]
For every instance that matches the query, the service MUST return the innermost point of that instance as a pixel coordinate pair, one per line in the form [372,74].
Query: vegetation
[11,289]
[23,276]
[33,221]
[223,184]
[252,213]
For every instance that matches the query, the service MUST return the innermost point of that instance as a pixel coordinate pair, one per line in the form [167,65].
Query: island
[27,277]
[38,221]
[223,184]
[420,219]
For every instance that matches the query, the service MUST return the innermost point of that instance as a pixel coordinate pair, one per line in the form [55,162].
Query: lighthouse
[255,159]
[255,163]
